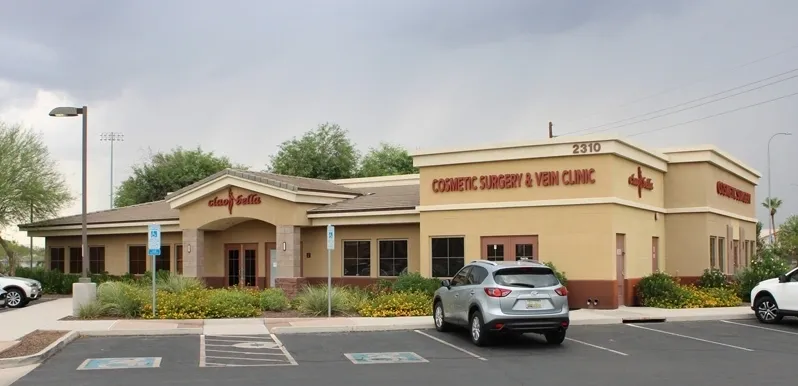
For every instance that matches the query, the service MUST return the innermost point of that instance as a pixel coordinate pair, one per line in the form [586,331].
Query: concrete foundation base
[82,293]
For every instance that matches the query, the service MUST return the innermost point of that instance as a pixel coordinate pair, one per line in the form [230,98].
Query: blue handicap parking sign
[385,357]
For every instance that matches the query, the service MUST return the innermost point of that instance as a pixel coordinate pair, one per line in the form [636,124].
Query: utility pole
[112,137]
[551,129]
[31,237]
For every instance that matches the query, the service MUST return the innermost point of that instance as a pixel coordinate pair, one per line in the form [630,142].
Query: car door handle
[456,295]
[472,292]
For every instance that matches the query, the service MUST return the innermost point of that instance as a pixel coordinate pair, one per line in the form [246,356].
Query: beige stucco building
[605,211]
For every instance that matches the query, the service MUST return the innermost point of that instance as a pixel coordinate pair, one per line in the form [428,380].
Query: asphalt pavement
[707,353]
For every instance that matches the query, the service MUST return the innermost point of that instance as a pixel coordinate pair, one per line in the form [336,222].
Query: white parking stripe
[441,341]
[202,351]
[245,352]
[598,347]
[214,339]
[285,351]
[760,327]
[244,359]
[690,337]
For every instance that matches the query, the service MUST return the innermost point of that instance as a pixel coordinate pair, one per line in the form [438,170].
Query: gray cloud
[239,77]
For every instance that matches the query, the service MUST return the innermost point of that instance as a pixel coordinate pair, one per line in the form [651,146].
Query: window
[357,258]
[393,257]
[495,252]
[164,260]
[137,259]
[713,242]
[477,275]
[75,260]
[722,254]
[448,256]
[531,277]
[96,259]
[179,259]
[524,251]
[461,278]
[57,259]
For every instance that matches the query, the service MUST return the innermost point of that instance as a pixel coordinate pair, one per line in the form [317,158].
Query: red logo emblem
[232,200]
[641,182]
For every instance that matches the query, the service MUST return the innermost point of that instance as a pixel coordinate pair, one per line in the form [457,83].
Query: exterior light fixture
[284,246]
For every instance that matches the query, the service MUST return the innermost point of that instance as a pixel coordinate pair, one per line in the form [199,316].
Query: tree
[772,204]
[788,238]
[325,153]
[22,253]
[759,243]
[168,172]
[30,183]
[387,160]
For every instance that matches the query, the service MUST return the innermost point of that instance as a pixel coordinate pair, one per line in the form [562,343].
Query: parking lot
[708,353]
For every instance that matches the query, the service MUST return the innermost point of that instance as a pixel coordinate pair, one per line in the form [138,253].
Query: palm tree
[772,204]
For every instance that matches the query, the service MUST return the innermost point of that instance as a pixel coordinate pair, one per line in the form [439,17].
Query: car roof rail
[484,262]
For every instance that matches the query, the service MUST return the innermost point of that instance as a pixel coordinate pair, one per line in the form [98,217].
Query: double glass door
[510,248]
[241,264]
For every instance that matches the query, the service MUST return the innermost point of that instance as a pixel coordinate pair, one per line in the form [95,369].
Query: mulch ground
[32,343]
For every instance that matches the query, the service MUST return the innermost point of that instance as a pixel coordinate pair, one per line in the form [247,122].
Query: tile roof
[277,180]
[377,198]
[151,211]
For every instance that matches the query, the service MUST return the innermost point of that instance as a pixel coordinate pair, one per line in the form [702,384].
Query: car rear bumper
[523,325]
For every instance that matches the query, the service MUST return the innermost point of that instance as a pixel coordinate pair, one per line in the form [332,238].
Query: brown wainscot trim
[605,291]
[354,281]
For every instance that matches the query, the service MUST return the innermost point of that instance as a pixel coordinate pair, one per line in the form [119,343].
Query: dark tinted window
[533,277]
[461,278]
[477,275]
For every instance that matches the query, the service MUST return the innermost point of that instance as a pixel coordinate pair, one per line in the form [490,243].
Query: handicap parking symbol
[385,357]
[120,363]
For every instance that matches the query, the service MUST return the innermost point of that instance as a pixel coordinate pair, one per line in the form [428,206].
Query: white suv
[773,299]
[20,290]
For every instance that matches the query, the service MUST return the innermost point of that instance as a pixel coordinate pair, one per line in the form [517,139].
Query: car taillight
[497,292]
[562,291]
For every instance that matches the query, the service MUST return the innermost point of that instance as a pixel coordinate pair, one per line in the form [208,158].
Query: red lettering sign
[732,192]
[514,180]
[231,200]
[641,182]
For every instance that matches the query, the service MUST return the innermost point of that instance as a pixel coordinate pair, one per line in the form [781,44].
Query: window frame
[78,261]
[722,260]
[62,260]
[160,258]
[92,261]
[393,259]
[179,262]
[128,247]
[713,252]
[448,257]
[357,259]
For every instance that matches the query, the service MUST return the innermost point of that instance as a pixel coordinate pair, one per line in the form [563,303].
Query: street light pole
[112,137]
[769,182]
[73,112]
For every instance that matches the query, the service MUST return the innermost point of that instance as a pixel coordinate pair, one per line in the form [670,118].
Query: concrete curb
[327,329]
[689,318]
[40,356]
[144,332]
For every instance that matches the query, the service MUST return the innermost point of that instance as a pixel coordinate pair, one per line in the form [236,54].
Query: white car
[20,291]
[773,299]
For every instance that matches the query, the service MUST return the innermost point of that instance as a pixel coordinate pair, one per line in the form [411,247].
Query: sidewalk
[20,322]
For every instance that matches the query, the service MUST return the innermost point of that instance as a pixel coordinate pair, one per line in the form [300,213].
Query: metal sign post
[154,250]
[330,247]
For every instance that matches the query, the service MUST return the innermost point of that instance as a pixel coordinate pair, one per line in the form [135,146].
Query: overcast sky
[239,77]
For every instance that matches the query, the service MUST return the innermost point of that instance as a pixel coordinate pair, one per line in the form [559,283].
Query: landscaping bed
[32,343]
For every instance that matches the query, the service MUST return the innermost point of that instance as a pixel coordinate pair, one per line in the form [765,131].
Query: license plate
[534,304]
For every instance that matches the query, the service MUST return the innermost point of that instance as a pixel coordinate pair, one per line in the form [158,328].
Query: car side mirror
[782,278]
[446,283]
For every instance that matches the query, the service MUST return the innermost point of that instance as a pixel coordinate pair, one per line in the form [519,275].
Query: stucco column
[193,253]
[288,260]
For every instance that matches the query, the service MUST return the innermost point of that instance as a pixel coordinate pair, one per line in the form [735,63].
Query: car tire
[15,298]
[555,337]
[767,310]
[477,331]
[438,316]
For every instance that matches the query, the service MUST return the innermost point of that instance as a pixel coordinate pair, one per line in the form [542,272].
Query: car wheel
[555,337]
[15,298]
[767,311]
[438,315]
[477,330]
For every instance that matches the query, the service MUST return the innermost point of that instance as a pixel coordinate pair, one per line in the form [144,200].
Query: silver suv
[515,297]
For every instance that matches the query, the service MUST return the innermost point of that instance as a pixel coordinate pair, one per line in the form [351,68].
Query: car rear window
[526,277]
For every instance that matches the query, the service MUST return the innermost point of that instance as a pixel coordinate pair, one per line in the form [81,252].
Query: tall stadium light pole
[112,137]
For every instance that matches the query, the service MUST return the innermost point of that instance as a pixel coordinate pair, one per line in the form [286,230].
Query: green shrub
[273,299]
[413,303]
[233,303]
[658,285]
[123,300]
[93,310]
[55,282]
[414,282]
[664,291]
[312,301]
[204,304]
[766,265]
[713,278]
[560,275]
[178,283]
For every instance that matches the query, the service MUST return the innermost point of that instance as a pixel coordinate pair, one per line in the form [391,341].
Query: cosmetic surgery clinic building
[605,211]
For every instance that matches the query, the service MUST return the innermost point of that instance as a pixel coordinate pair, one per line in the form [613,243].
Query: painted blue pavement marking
[120,363]
[385,357]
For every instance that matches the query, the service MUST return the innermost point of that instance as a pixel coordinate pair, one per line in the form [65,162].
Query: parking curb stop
[42,355]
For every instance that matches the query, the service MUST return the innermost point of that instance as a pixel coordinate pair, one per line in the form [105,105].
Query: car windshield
[532,277]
